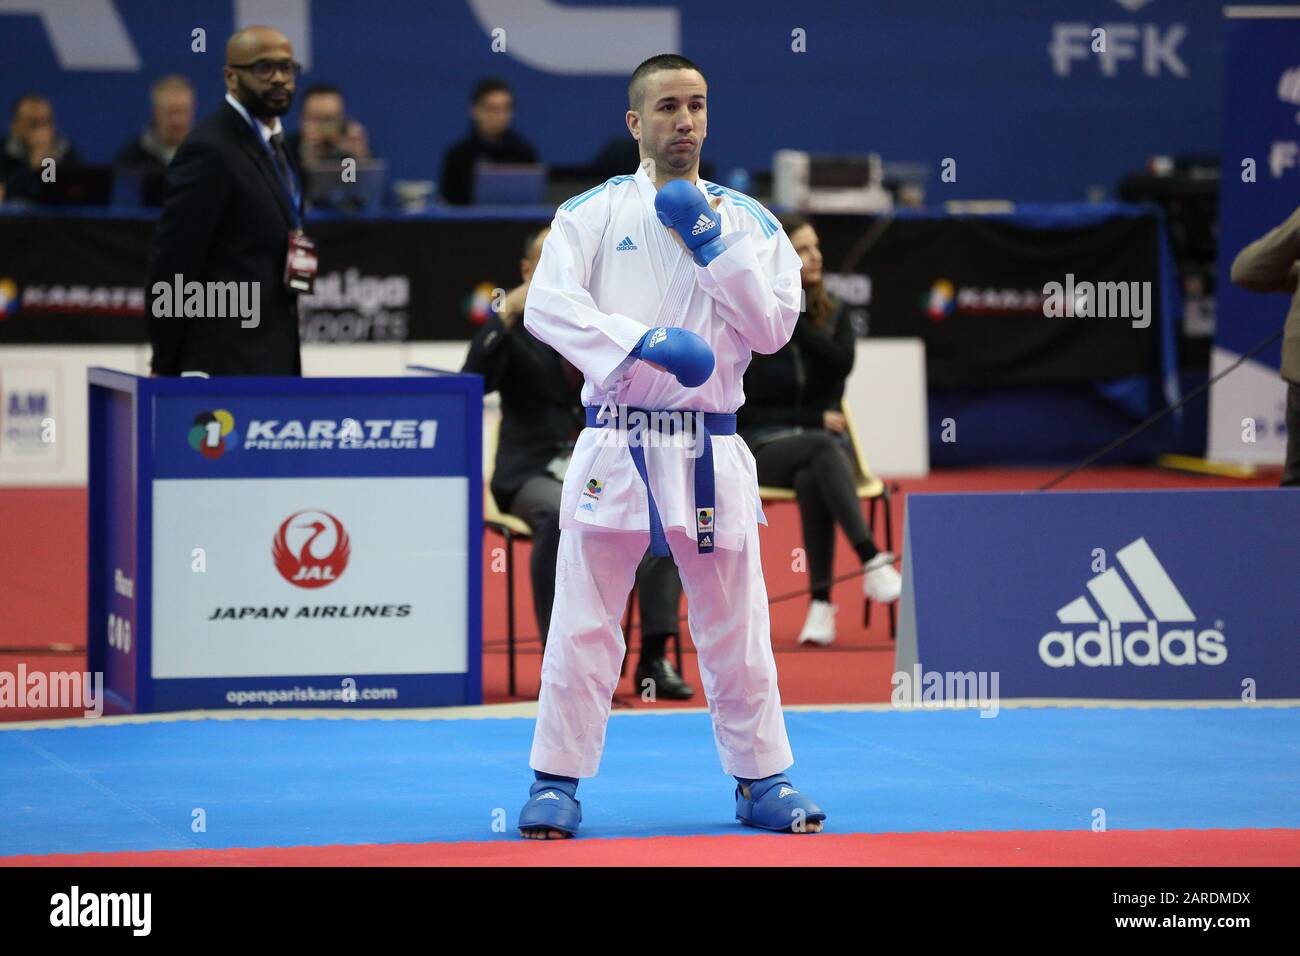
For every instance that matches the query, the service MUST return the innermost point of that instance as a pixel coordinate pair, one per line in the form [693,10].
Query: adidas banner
[1166,595]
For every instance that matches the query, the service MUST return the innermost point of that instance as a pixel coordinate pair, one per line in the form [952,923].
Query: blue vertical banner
[1260,189]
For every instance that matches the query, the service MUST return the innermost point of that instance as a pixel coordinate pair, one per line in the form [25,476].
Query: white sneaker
[882,583]
[820,626]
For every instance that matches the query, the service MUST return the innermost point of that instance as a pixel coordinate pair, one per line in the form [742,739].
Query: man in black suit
[541,416]
[232,212]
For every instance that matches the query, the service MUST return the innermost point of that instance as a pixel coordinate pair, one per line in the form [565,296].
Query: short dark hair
[25,98]
[322,89]
[661,61]
[492,84]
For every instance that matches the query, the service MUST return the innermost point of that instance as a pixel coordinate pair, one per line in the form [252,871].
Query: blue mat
[319,782]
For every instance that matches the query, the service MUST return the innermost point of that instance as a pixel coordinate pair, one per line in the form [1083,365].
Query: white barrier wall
[43,399]
[886,395]
[43,408]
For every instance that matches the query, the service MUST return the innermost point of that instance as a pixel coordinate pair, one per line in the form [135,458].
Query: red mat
[1012,848]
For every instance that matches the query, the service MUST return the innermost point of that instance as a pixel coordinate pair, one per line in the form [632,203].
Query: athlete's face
[673,120]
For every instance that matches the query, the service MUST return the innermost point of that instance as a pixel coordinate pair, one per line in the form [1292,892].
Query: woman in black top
[793,423]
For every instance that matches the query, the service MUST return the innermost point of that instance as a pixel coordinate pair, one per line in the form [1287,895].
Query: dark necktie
[281,157]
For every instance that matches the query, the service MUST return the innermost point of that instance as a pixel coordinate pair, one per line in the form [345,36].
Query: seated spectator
[541,416]
[793,422]
[327,133]
[173,118]
[33,139]
[490,139]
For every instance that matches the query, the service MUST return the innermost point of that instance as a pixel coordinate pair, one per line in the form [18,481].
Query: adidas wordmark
[1105,644]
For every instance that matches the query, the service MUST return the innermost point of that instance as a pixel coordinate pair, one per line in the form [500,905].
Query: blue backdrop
[1008,88]
[1263,126]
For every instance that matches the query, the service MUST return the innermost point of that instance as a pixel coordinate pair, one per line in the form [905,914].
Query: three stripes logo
[1105,642]
[703,224]
[627,245]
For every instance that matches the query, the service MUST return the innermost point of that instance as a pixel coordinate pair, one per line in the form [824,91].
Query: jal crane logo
[311,549]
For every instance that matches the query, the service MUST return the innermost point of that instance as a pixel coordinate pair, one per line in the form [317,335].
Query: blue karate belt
[714,423]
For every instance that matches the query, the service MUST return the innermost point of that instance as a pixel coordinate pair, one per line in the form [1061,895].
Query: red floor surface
[43,573]
[1011,848]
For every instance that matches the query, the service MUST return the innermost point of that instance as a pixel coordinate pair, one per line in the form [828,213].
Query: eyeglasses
[265,69]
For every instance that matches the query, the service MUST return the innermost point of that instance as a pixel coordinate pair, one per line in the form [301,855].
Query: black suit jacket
[804,378]
[225,218]
[541,406]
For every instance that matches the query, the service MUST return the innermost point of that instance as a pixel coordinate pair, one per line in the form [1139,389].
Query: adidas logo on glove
[657,336]
[703,224]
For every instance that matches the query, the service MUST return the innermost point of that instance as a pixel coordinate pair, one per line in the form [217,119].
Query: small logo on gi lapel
[627,245]
[593,489]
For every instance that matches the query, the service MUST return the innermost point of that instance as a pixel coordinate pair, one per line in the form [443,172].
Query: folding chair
[511,529]
[869,488]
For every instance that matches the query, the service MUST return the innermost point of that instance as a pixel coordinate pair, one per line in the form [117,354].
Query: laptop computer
[325,188]
[509,184]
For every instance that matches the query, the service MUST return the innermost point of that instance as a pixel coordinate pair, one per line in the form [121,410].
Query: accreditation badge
[301,263]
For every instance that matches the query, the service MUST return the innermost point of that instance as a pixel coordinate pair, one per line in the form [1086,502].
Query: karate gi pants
[730,626]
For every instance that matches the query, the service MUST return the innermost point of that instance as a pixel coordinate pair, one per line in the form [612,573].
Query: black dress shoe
[667,684]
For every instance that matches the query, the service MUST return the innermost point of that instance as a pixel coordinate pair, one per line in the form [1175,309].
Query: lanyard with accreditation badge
[300,264]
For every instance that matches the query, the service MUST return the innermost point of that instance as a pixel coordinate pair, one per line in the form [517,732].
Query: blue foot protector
[552,805]
[774,804]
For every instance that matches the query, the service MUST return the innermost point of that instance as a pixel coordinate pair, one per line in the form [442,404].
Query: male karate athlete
[658,286]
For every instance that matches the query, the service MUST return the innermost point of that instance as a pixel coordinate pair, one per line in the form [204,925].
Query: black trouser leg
[538,503]
[818,533]
[659,597]
[1291,473]
[826,458]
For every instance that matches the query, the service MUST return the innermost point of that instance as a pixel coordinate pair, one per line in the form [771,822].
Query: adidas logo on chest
[627,245]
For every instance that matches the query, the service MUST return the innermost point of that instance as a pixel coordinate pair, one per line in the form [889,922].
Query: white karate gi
[609,270]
